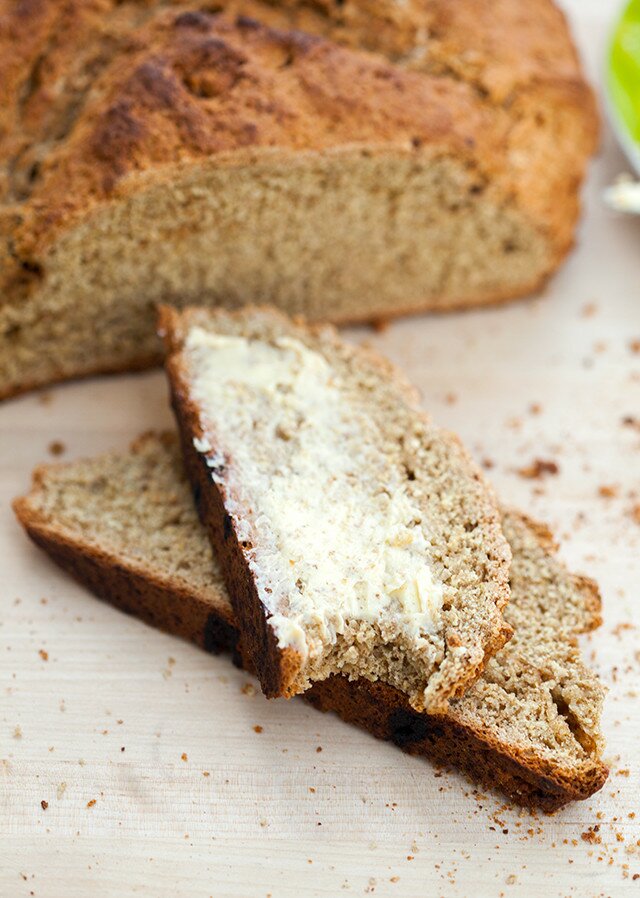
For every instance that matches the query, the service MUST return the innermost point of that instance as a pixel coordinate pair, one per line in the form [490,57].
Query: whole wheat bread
[355,536]
[347,161]
[125,525]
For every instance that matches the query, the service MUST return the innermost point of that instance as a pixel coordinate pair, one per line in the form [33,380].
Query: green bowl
[623,82]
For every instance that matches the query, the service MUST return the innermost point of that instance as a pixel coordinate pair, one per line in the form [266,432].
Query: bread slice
[125,525]
[346,161]
[355,536]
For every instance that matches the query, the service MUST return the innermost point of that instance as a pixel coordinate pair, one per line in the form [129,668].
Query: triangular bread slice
[355,536]
[125,525]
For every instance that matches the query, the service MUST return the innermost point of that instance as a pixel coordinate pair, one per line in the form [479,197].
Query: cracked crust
[182,603]
[127,100]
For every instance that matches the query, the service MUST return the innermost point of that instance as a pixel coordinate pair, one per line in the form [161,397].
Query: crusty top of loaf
[94,93]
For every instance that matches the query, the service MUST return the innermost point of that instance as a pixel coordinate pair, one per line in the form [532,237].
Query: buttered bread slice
[124,525]
[355,536]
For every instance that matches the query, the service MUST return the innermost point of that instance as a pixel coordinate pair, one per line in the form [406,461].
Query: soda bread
[356,537]
[125,525]
[348,161]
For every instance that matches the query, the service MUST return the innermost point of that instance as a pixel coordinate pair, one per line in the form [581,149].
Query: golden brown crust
[380,709]
[112,95]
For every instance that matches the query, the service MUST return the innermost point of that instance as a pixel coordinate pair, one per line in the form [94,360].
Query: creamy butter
[336,536]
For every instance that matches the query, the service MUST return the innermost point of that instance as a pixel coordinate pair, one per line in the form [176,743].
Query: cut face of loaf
[125,525]
[343,161]
[356,537]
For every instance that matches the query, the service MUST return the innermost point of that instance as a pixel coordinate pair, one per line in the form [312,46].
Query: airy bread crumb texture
[129,516]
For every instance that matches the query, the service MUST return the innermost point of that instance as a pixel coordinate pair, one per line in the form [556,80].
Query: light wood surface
[145,748]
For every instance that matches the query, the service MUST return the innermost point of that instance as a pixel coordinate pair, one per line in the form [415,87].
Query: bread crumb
[608,491]
[248,689]
[206,773]
[450,398]
[184,756]
[43,654]
[634,346]
[44,804]
[589,309]
[591,835]
[635,513]
[17,733]
[56,447]
[91,803]
[257,728]
[319,748]
[539,468]
[535,408]
[631,421]
[380,325]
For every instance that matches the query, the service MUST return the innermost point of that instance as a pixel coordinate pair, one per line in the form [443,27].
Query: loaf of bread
[348,161]
[356,537]
[125,525]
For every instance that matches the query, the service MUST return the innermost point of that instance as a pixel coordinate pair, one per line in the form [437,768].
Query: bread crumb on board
[539,468]
[56,447]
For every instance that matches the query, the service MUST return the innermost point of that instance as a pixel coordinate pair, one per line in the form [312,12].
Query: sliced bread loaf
[355,536]
[125,525]
[346,161]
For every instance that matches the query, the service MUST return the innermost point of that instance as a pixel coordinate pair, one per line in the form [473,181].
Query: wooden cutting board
[134,764]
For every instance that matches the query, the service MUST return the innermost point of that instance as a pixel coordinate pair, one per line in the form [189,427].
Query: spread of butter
[334,534]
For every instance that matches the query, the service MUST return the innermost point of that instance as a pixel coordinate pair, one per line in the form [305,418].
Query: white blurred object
[624,195]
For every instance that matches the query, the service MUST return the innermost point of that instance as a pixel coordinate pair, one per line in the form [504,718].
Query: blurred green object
[623,81]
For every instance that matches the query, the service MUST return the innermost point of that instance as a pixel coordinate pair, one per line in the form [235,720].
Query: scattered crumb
[539,468]
[62,788]
[535,408]
[56,447]
[635,513]
[634,346]
[631,421]
[319,748]
[206,773]
[44,804]
[43,654]
[184,756]
[608,492]
[257,728]
[91,803]
[17,733]
[589,309]
[591,835]
[450,398]
[380,325]
[248,689]
[488,463]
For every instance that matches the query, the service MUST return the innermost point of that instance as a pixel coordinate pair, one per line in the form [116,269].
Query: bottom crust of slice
[381,710]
